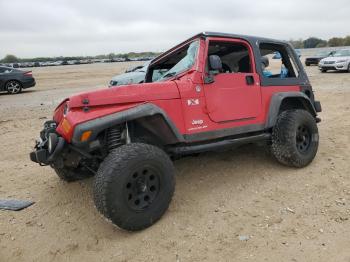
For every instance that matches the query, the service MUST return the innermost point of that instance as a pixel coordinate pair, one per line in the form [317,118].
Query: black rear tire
[134,186]
[295,138]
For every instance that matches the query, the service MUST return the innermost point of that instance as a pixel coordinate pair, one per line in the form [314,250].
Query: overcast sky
[80,27]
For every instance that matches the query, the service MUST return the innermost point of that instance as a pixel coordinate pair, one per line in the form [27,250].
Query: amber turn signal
[66,126]
[85,136]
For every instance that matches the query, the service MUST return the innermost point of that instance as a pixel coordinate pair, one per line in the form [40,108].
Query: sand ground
[287,214]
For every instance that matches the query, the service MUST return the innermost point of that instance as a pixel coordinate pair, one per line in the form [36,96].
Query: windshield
[323,53]
[185,63]
[342,53]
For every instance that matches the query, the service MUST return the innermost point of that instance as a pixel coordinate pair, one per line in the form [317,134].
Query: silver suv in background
[339,61]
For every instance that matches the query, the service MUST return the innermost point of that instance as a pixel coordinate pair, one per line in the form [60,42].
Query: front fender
[102,123]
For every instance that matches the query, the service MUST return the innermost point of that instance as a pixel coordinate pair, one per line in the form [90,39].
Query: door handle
[249,80]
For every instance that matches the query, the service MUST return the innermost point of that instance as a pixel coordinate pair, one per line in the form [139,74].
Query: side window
[276,61]
[235,57]
[2,70]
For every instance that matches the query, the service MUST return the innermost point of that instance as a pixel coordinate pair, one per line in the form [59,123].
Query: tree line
[14,59]
[314,42]
[311,42]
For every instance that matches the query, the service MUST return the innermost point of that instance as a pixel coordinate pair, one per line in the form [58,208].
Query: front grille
[329,62]
[328,67]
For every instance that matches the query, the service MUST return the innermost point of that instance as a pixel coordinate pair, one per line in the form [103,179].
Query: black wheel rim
[303,138]
[142,188]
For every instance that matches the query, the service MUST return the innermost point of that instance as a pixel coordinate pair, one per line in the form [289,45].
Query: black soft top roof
[245,37]
[250,39]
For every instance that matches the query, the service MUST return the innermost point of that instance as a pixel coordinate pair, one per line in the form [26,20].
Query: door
[234,93]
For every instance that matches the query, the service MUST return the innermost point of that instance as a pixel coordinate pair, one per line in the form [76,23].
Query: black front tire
[134,186]
[295,138]
[323,70]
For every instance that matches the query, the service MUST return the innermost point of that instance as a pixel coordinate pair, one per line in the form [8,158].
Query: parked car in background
[340,61]
[314,60]
[277,55]
[57,63]
[134,75]
[14,80]
[51,63]
[134,68]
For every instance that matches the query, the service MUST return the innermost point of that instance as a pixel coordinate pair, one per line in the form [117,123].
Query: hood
[129,78]
[126,94]
[335,58]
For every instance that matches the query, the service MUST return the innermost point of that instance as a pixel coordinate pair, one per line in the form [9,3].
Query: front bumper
[49,145]
[335,66]
[312,61]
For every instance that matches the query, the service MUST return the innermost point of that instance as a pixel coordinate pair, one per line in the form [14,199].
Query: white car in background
[339,61]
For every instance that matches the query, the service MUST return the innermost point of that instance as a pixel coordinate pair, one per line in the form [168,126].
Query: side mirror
[215,63]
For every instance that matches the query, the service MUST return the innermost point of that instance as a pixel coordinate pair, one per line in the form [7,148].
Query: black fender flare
[276,101]
[102,123]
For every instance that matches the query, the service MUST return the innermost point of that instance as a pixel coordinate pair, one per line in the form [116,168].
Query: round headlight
[65,109]
[52,142]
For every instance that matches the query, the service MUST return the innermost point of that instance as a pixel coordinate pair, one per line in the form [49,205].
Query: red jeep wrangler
[211,92]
